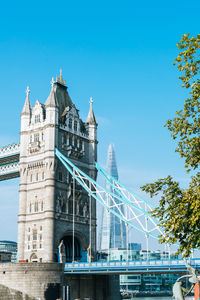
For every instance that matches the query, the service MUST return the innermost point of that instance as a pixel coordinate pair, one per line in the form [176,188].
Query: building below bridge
[5,256]
[8,251]
[141,282]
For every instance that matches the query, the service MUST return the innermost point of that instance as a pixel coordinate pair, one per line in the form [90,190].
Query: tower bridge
[56,161]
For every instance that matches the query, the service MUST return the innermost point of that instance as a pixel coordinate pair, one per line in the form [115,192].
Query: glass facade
[113,231]
[9,247]
[141,282]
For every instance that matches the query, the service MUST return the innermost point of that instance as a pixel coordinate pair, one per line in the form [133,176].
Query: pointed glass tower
[113,231]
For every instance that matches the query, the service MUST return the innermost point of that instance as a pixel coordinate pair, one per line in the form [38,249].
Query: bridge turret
[52,115]
[26,111]
[91,126]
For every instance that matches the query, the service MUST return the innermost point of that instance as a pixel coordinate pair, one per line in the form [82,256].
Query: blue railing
[123,267]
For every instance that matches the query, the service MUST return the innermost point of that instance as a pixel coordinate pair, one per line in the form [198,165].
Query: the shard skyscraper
[112,231]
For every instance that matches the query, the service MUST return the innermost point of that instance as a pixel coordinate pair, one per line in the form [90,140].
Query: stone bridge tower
[47,189]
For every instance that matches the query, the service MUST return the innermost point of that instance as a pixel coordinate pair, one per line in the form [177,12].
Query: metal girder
[9,161]
[9,171]
[9,150]
[118,200]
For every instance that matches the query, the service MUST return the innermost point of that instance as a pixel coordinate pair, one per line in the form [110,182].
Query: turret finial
[60,80]
[60,74]
[27,107]
[91,118]
[27,91]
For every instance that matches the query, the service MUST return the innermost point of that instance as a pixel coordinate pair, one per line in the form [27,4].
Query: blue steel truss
[119,200]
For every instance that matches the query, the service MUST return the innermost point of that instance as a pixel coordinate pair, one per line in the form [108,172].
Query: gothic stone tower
[46,187]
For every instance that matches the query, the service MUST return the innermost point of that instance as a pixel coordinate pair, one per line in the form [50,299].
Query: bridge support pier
[45,281]
[31,281]
[94,287]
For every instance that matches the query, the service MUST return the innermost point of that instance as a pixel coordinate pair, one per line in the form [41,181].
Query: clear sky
[118,52]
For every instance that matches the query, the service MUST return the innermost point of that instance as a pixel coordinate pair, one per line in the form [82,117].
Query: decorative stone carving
[60,203]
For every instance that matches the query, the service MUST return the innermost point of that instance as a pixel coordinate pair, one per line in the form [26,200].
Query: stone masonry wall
[34,280]
[10,294]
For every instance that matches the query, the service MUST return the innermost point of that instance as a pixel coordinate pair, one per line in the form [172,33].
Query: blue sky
[118,52]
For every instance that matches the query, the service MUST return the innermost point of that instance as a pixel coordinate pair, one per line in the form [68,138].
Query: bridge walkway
[9,161]
[131,267]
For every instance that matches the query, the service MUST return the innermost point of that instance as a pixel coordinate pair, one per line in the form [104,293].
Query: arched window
[81,210]
[70,140]
[36,206]
[34,235]
[60,176]
[70,210]
[75,125]
[64,139]
[64,208]
[75,141]
[36,137]
[70,123]
[37,118]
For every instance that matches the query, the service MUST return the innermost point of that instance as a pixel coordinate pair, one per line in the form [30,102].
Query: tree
[178,212]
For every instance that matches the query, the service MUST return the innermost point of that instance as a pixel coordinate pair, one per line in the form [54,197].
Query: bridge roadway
[131,267]
[9,161]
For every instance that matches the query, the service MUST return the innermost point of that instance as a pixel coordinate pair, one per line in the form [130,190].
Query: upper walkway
[9,161]
[124,267]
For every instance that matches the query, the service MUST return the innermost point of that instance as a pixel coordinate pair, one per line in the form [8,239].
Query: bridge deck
[9,161]
[9,171]
[9,153]
[124,267]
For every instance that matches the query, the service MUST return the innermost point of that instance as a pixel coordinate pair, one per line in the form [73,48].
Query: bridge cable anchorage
[118,200]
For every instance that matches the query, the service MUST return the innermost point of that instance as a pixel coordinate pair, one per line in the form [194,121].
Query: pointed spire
[51,100]
[27,106]
[111,162]
[61,74]
[60,80]
[91,118]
